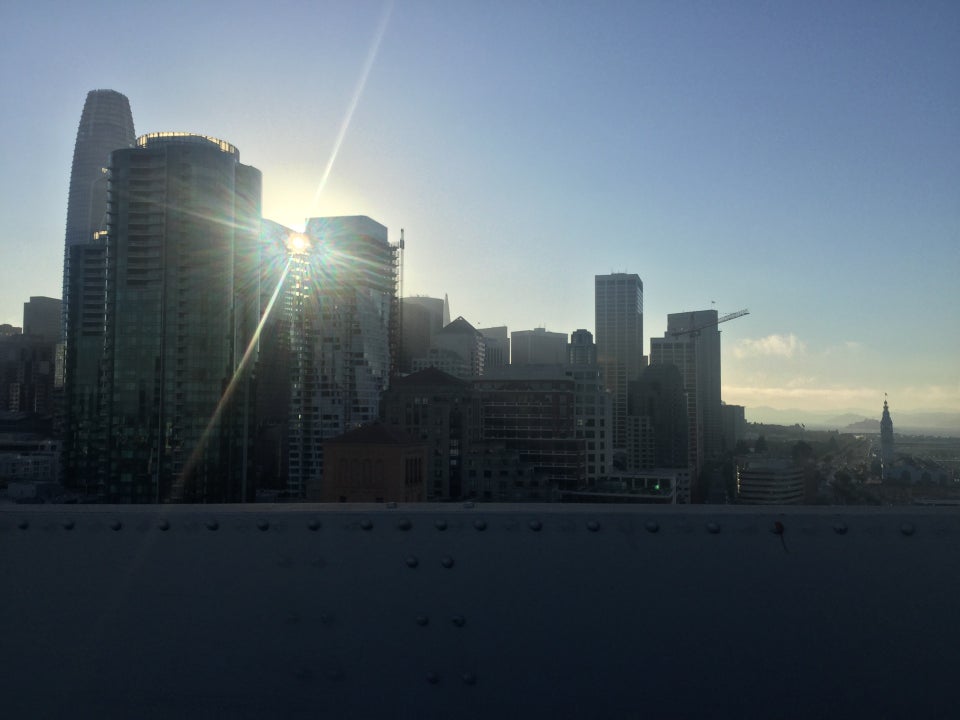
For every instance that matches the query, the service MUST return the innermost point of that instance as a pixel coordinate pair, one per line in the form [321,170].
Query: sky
[801,160]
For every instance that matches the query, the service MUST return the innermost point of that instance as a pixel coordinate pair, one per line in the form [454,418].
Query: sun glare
[298,244]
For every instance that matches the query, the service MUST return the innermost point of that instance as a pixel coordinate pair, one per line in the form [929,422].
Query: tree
[760,446]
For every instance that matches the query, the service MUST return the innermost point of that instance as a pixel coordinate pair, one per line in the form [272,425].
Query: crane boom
[696,330]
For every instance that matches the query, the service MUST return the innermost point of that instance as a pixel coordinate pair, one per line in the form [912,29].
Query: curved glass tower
[105,125]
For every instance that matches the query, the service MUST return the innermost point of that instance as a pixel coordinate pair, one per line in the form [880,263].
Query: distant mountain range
[909,423]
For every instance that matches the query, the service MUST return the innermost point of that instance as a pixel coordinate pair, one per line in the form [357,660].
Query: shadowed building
[618,308]
[423,317]
[458,349]
[442,411]
[581,350]
[537,347]
[496,342]
[373,463]
[658,422]
[886,442]
[182,306]
[106,124]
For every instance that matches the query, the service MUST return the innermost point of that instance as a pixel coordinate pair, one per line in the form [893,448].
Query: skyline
[798,162]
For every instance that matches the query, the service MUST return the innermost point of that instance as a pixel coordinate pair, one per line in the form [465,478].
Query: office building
[658,422]
[422,318]
[444,412]
[537,347]
[459,349]
[769,482]
[581,350]
[41,318]
[700,328]
[618,312]
[496,342]
[681,352]
[733,425]
[106,124]
[182,306]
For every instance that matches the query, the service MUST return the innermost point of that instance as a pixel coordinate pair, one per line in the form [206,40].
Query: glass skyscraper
[106,124]
[182,305]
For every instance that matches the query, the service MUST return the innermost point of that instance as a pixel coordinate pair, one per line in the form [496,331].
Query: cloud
[779,345]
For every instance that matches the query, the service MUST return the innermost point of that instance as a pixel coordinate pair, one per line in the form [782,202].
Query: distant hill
[861,421]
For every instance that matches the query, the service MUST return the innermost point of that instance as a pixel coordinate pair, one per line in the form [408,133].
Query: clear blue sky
[798,159]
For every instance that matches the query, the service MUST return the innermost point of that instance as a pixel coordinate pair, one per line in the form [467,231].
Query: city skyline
[801,162]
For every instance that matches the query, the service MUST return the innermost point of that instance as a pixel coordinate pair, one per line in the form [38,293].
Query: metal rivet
[469,505]
[440,524]
[840,528]
[404,524]
[447,561]
[480,524]
[263,525]
[366,524]
[469,678]
[326,618]
[652,526]
[212,525]
[116,525]
[23,524]
[411,561]
[391,505]
[458,620]
[423,620]
[433,678]
[593,525]
[535,525]
[713,527]
[313,525]
[778,528]
[907,529]
[68,524]
[163,525]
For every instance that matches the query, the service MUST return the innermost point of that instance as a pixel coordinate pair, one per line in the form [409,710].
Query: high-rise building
[682,353]
[41,317]
[581,350]
[619,336]
[658,421]
[537,347]
[496,342]
[422,318]
[700,327]
[106,124]
[344,331]
[182,306]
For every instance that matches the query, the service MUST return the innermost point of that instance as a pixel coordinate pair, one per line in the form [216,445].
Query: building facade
[182,305]
[618,308]
[537,347]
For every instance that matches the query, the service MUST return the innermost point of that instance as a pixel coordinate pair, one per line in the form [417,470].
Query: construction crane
[695,331]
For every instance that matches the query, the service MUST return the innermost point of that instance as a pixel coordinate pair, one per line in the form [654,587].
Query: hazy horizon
[800,161]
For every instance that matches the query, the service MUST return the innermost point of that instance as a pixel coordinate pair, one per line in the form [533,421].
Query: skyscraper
[692,343]
[182,305]
[344,311]
[619,337]
[106,124]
